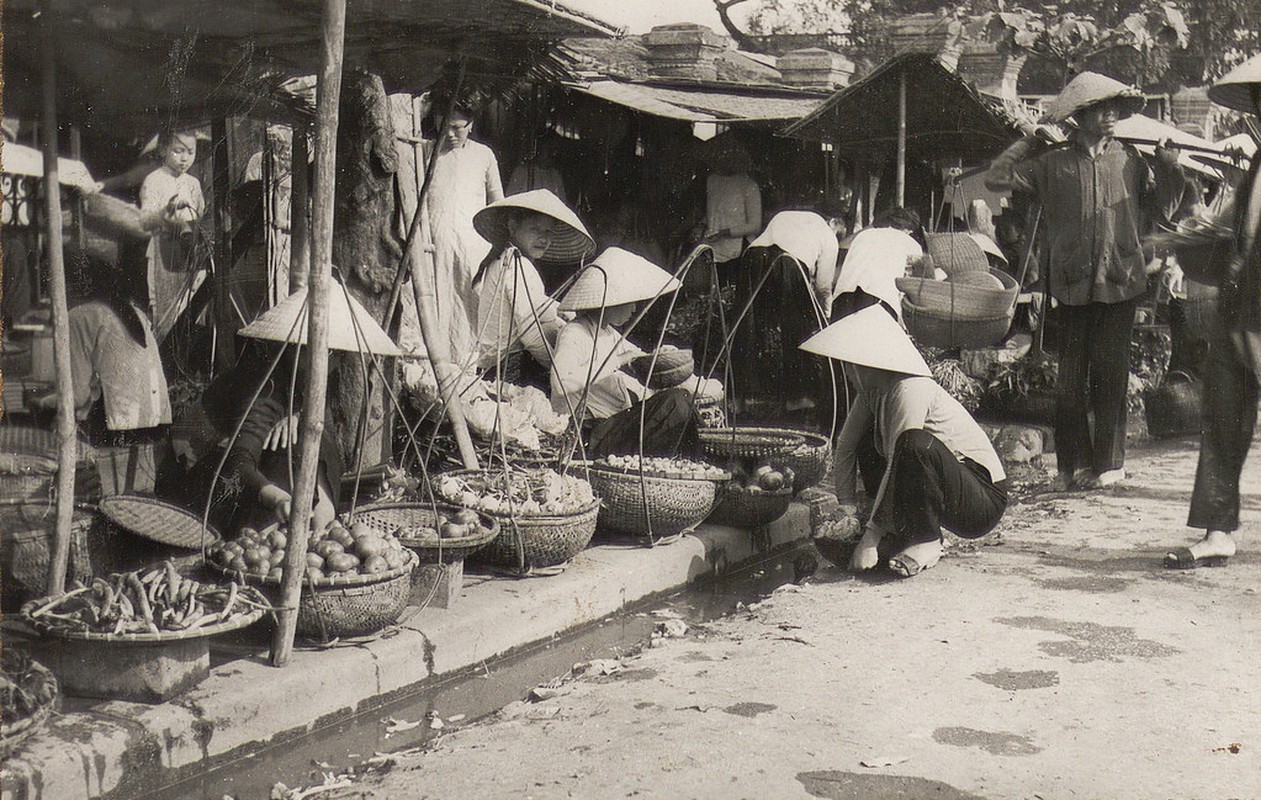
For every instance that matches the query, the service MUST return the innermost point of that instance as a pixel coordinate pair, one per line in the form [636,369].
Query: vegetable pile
[516,491]
[151,601]
[335,551]
[25,687]
[674,467]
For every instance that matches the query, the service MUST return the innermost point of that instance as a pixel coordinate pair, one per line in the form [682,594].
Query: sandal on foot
[905,566]
[1183,558]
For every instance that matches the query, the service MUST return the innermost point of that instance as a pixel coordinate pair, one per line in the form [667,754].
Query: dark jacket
[1239,303]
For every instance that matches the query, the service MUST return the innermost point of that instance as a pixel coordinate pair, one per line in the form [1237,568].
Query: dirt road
[1059,662]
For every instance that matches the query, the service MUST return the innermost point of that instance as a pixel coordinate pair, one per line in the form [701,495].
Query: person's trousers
[932,488]
[669,428]
[1229,416]
[125,469]
[1094,373]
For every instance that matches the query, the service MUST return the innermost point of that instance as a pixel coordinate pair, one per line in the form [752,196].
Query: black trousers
[670,428]
[931,488]
[1094,373]
[1230,414]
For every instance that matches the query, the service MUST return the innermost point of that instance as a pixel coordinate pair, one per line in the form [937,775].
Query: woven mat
[156,520]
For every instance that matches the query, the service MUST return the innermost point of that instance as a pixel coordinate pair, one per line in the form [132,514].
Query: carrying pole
[328,95]
[67,444]
[901,188]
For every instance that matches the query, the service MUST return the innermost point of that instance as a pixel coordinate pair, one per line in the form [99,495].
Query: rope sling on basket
[975,304]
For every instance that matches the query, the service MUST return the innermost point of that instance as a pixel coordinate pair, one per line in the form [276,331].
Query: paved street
[1058,661]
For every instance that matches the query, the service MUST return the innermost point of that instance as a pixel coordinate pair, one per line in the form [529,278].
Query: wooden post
[328,96]
[221,184]
[901,188]
[299,211]
[67,445]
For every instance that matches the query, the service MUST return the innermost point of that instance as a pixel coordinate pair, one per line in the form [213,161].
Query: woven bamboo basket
[809,461]
[415,525]
[546,539]
[24,475]
[960,299]
[651,505]
[740,442]
[344,606]
[940,329]
[741,509]
[241,619]
[26,531]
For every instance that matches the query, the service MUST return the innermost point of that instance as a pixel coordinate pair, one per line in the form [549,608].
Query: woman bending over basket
[939,470]
[588,379]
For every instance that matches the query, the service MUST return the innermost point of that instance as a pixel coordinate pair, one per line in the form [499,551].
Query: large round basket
[837,539]
[809,461]
[945,330]
[415,525]
[14,732]
[248,615]
[740,509]
[544,540]
[651,505]
[970,300]
[343,606]
[740,442]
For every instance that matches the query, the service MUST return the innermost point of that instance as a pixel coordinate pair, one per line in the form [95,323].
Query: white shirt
[732,203]
[581,348]
[807,237]
[876,258]
[513,309]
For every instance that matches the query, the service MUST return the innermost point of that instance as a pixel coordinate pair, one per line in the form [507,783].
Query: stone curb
[119,748]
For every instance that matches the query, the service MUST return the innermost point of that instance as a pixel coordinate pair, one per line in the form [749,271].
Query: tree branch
[743,40]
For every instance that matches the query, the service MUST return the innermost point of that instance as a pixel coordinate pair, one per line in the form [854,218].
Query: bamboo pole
[901,188]
[67,446]
[328,95]
[299,211]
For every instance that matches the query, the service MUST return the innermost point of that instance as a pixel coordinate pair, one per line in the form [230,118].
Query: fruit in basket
[772,481]
[466,517]
[342,562]
[453,530]
[657,464]
[369,545]
[375,565]
[516,491]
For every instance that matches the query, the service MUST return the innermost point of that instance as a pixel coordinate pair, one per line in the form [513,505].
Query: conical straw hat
[615,278]
[570,241]
[1089,88]
[872,338]
[1233,89]
[350,326]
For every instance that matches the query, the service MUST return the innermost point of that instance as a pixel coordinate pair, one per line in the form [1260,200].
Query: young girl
[171,202]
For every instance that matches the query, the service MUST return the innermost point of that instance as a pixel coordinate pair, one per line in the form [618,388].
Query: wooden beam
[901,184]
[67,443]
[328,96]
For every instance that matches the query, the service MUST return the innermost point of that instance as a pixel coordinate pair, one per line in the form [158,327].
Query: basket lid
[158,521]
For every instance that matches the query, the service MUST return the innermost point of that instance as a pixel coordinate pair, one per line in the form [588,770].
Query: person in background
[1233,366]
[121,397]
[539,170]
[1098,197]
[588,379]
[799,249]
[733,201]
[938,468]
[171,203]
[465,179]
[514,311]
[876,258]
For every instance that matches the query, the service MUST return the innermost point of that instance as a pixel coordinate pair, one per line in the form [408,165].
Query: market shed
[703,102]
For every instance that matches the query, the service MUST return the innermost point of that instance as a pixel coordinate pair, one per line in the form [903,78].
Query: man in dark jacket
[1097,197]
[1234,357]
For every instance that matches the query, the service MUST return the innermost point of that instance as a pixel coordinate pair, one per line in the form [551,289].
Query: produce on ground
[664,466]
[153,600]
[338,550]
[25,687]
[516,490]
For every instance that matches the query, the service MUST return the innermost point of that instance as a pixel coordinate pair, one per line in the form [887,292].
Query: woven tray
[238,621]
[405,520]
[741,442]
[158,521]
[645,504]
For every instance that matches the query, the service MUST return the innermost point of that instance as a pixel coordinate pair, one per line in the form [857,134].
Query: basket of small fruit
[836,539]
[357,580]
[439,534]
[654,496]
[148,606]
[754,499]
[740,442]
[28,693]
[545,517]
[809,461]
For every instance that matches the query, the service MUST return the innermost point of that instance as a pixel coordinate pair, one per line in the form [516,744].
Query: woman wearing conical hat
[516,319]
[1098,197]
[939,469]
[1232,371]
[588,380]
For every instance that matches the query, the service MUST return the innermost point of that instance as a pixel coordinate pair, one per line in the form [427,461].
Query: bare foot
[1111,477]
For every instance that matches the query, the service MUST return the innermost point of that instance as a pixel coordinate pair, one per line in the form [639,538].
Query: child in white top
[172,202]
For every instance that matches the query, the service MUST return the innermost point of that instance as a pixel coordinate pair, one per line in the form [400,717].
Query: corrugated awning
[703,104]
